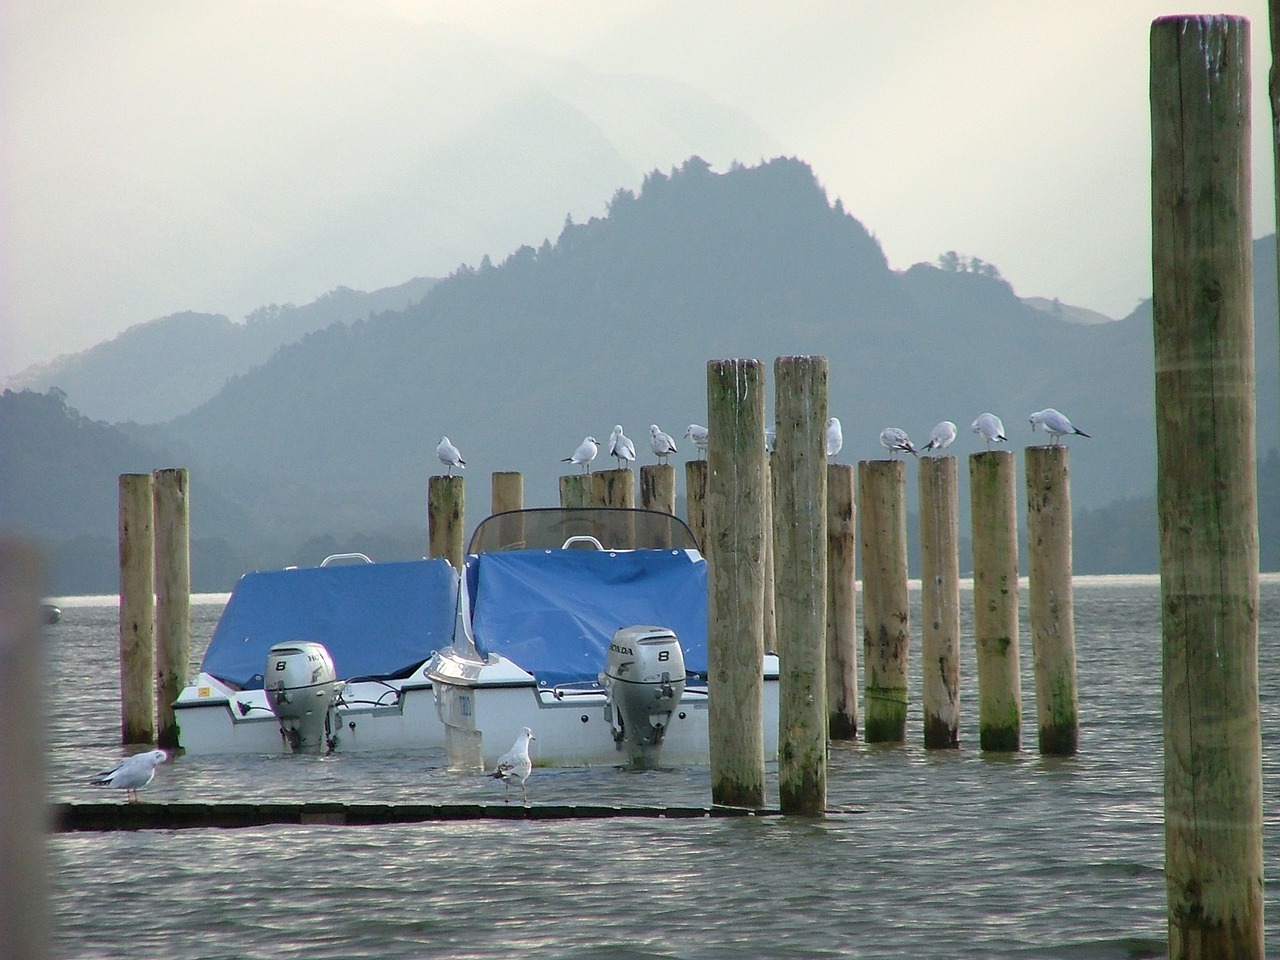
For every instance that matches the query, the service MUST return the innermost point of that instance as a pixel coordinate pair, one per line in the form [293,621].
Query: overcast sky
[1012,131]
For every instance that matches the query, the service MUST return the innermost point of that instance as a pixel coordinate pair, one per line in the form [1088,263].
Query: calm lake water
[933,854]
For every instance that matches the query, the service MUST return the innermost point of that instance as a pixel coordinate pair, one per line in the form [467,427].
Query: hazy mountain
[163,368]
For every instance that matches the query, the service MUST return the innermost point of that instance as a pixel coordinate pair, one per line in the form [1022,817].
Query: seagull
[942,437]
[515,765]
[699,437]
[989,428]
[896,440]
[770,438]
[585,453]
[132,773]
[621,448]
[1055,424]
[835,439]
[449,455]
[661,443]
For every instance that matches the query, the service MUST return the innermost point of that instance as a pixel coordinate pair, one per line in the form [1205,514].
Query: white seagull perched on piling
[989,428]
[895,439]
[699,437]
[1055,424]
[449,455]
[132,773]
[514,766]
[835,437]
[585,453]
[944,434]
[621,448]
[661,443]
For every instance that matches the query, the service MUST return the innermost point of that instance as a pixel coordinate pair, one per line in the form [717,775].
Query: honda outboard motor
[644,680]
[302,685]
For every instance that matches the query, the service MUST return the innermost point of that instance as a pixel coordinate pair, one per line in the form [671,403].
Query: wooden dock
[80,817]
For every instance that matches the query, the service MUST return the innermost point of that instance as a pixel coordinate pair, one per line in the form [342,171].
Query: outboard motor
[644,680]
[302,685]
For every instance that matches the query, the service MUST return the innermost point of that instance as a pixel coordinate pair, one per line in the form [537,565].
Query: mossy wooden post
[616,488]
[842,603]
[800,565]
[446,512]
[575,490]
[940,601]
[137,610]
[695,499]
[24,908]
[658,487]
[506,495]
[994,522]
[172,518]
[1206,484]
[1051,604]
[886,629]
[735,590]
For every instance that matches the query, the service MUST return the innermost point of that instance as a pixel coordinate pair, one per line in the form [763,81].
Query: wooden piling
[886,629]
[842,603]
[940,601]
[658,487]
[506,495]
[994,522]
[1051,603]
[172,518]
[735,535]
[695,499]
[24,907]
[613,488]
[800,571]
[446,512]
[137,610]
[1206,484]
[575,490]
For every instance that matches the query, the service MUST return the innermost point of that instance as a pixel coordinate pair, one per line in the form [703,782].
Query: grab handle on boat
[344,556]
[581,538]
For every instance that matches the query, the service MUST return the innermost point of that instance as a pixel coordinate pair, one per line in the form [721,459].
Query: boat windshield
[583,528]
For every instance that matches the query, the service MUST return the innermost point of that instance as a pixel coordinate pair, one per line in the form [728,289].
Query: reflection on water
[933,854]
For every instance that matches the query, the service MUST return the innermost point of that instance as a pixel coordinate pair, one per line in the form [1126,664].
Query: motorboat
[323,659]
[589,626]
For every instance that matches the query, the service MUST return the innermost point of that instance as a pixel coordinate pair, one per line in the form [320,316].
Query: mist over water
[926,854]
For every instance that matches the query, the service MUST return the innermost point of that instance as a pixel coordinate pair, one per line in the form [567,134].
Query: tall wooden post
[695,489]
[994,521]
[137,610]
[173,596]
[506,491]
[800,565]
[446,511]
[842,604]
[1052,606]
[769,613]
[940,601]
[735,596]
[1206,484]
[613,488]
[575,490]
[886,618]
[658,487]
[24,908]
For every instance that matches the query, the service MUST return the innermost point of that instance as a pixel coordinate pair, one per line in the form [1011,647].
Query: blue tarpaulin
[376,619]
[553,613]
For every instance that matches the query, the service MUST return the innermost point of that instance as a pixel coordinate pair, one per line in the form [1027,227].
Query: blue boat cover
[375,619]
[554,612]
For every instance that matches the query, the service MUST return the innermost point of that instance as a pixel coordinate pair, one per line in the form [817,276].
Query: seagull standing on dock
[132,773]
[989,428]
[835,437]
[1055,425]
[621,448]
[514,766]
[449,455]
[585,453]
[944,434]
[895,439]
[661,443]
[699,437]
